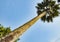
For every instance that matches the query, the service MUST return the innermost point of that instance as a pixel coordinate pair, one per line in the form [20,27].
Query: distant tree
[4,31]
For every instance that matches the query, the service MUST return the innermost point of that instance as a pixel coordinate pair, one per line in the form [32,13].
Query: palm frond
[50,7]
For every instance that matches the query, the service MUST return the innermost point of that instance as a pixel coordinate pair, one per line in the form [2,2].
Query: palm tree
[46,10]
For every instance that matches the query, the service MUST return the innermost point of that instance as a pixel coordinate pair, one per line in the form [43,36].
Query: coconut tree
[46,10]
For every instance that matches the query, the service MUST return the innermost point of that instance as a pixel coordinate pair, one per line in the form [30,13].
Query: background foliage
[4,31]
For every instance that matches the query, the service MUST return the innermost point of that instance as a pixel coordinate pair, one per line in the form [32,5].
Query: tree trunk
[20,30]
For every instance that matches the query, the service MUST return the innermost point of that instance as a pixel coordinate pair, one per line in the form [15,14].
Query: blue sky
[14,13]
